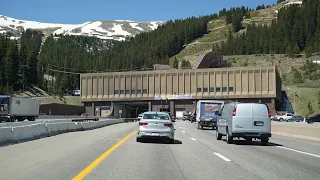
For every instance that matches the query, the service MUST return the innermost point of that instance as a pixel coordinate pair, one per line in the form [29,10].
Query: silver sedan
[155,125]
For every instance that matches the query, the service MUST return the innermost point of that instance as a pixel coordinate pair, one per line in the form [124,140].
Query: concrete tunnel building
[130,93]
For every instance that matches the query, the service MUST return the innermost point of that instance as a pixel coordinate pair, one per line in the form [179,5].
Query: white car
[155,125]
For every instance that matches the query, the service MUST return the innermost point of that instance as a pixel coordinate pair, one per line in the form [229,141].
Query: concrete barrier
[72,126]
[39,130]
[297,130]
[18,134]
[63,127]
[53,129]
[3,125]
[6,136]
[22,133]
[79,126]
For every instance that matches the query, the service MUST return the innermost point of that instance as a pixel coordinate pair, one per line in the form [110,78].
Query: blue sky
[79,11]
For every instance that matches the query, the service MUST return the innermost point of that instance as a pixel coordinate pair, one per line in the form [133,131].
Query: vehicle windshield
[4,100]
[156,116]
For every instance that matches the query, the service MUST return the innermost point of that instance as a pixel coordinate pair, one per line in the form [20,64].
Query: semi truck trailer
[16,108]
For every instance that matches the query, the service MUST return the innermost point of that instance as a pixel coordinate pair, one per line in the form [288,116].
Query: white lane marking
[180,127]
[193,139]
[222,157]
[310,154]
[183,131]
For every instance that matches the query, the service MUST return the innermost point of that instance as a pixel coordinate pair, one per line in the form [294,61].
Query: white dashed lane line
[193,138]
[294,150]
[222,157]
[183,131]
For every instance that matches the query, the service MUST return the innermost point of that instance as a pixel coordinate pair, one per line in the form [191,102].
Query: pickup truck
[285,117]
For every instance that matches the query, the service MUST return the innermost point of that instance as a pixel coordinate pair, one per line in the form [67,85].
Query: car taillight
[234,112]
[143,123]
[168,125]
[269,114]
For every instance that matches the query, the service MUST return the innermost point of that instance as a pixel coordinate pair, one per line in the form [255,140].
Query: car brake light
[143,123]
[168,125]
[269,114]
[234,111]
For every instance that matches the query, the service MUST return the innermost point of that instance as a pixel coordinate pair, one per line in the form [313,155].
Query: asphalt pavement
[196,154]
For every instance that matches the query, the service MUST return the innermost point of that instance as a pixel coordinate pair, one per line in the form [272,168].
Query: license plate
[155,134]
[258,123]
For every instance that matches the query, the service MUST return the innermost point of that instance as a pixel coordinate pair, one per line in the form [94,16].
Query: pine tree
[228,18]
[297,75]
[12,65]
[185,64]
[310,108]
[175,63]
[318,97]
[236,22]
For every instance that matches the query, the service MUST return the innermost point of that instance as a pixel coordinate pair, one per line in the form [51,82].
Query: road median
[18,134]
[300,130]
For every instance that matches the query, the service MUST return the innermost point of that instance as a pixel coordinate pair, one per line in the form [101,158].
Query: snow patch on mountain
[115,29]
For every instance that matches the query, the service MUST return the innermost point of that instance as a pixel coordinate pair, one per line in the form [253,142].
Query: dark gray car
[296,119]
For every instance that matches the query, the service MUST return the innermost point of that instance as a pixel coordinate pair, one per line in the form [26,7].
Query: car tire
[264,142]
[138,140]
[229,138]
[218,135]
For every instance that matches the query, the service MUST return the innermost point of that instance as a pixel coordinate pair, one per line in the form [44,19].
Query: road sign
[120,111]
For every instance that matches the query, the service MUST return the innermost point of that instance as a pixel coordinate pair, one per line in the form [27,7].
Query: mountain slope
[218,31]
[116,30]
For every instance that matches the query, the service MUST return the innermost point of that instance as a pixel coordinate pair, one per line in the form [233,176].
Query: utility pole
[294,100]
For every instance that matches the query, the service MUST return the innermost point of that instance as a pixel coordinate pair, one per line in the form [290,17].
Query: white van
[245,120]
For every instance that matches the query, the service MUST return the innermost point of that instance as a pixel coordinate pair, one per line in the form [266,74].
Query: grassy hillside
[45,98]
[218,32]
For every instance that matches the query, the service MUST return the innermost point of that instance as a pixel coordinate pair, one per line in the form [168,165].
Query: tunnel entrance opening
[133,109]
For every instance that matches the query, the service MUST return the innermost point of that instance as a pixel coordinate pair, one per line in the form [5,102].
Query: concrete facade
[180,87]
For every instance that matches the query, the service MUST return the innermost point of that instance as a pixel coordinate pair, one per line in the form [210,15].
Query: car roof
[155,112]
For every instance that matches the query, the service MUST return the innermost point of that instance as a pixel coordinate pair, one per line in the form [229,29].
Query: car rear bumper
[208,123]
[252,135]
[161,135]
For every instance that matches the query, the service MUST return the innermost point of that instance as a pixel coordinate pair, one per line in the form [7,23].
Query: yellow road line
[96,162]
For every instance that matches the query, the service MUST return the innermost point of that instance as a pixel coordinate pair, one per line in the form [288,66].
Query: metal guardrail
[85,120]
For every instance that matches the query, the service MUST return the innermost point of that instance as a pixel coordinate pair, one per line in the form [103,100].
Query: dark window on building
[116,91]
[211,89]
[205,89]
[224,89]
[133,91]
[218,89]
[144,91]
[121,91]
[139,91]
[198,89]
[127,91]
[230,89]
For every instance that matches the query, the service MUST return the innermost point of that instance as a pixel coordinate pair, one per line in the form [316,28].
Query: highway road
[111,153]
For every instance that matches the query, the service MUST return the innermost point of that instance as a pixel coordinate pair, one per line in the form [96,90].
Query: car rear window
[260,110]
[244,109]
[156,116]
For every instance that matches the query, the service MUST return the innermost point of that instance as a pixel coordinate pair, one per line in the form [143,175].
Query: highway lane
[196,154]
